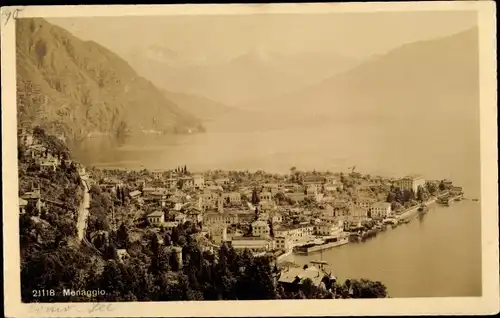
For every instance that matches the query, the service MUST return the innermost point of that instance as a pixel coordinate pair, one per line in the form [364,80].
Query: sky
[214,38]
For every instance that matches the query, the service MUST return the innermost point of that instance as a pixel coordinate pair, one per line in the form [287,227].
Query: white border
[487,304]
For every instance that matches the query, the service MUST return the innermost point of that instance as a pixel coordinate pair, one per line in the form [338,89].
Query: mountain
[252,75]
[79,87]
[200,106]
[428,80]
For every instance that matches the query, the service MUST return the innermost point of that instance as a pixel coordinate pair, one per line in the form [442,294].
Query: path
[83,211]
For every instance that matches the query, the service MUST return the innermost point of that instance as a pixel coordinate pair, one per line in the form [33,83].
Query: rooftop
[156,213]
[299,275]
[413,176]
[22,202]
[384,205]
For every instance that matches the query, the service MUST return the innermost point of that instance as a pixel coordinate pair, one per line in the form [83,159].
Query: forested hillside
[75,87]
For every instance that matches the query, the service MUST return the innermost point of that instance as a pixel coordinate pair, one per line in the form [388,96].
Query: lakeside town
[264,214]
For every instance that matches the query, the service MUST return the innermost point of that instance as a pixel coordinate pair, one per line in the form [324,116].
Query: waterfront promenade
[413,210]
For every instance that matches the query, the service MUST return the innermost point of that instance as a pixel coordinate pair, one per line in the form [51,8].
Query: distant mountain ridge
[200,106]
[427,79]
[252,75]
[76,87]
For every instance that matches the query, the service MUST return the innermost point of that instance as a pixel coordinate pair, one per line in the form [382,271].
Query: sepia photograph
[268,153]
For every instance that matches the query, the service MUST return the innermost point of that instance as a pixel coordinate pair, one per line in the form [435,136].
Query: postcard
[250,160]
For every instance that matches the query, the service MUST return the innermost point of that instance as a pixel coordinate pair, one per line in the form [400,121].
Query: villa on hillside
[156,218]
[291,279]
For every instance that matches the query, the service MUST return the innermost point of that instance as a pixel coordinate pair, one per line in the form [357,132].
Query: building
[296,197]
[267,206]
[180,218]
[295,233]
[254,244]
[26,138]
[410,183]
[266,196]
[365,202]
[456,190]
[313,180]
[157,175]
[326,229]
[134,194]
[111,184]
[169,226]
[332,186]
[271,187]
[312,191]
[49,165]
[357,215]
[233,198]
[156,218]
[140,183]
[283,243]
[276,217]
[380,210]
[79,167]
[290,187]
[186,182]
[157,196]
[222,181]
[292,278]
[122,254]
[194,216]
[246,216]
[198,181]
[260,228]
[171,183]
[218,234]
[332,215]
[216,218]
[34,199]
[22,205]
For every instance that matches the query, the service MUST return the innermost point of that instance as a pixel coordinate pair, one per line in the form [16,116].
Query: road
[83,211]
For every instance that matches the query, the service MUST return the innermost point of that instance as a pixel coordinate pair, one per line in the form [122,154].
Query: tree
[420,194]
[442,186]
[391,197]
[112,281]
[255,197]
[110,251]
[395,206]
[122,237]
[431,187]
[365,288]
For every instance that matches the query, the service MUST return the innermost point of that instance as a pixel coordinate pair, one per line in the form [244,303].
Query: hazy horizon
[258,56]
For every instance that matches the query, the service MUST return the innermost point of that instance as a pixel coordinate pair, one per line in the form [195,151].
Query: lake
[439,255]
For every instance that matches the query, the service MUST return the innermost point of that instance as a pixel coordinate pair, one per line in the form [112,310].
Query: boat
[444,200]
[475,200]
[319,245]
[423,208]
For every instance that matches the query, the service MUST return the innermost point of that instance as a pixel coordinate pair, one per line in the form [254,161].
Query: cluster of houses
[48,161]
[226,211]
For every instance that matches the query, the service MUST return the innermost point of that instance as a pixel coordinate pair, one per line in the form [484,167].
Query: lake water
[439,255]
